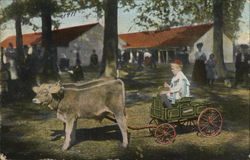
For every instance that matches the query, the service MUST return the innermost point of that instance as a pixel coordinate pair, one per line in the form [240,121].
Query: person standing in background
[10,55]
[210,69]
[199,71]
[94,58]
[140,60]
[153,58]
[241,65]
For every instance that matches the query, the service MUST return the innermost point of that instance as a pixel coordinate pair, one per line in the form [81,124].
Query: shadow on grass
[111,132]
[185,152]
[232,106]
[25,110]
[16,149]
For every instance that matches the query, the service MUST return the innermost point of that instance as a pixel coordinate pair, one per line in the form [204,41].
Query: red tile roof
[181,36]
[60,36]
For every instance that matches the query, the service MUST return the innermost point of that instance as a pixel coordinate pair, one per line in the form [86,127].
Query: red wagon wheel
[153,122]
[165,133]
[210,122]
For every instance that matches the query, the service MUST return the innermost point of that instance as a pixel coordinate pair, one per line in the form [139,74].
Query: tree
[59,8]
[47,8]
[15,11]
[163,14]
[110,44]
[218,37]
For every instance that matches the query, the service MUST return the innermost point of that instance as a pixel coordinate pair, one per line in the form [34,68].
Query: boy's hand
[166,85]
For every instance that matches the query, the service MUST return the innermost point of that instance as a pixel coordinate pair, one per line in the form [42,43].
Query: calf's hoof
[65,147]
[124,146]
[67,144]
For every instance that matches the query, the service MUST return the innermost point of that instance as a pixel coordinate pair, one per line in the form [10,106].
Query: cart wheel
[153,122]
[165,133]
[210,122]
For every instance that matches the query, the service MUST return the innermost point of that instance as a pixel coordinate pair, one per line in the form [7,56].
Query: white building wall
[207,40]
[228,49]
[87,42]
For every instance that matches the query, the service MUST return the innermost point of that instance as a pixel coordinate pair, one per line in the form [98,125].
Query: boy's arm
[166,85]
[178,86]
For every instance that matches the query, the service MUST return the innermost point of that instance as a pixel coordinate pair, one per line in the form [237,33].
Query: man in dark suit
[241,65]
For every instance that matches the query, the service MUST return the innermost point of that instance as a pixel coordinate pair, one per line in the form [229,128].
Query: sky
[125,23]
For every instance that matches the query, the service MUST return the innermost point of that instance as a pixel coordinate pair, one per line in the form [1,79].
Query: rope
[139,128]
[130,127]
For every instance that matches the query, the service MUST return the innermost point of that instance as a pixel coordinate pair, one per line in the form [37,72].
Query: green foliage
[29,9]
[161,14]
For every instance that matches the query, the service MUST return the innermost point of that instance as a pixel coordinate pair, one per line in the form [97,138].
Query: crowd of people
[141,57]
[204,70]
[19,74]
[242,66]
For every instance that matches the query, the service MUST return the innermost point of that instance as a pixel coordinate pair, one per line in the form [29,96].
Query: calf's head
[46,92]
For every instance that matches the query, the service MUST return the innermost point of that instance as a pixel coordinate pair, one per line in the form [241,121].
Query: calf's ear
[55,89]
[35,89]
[59,83]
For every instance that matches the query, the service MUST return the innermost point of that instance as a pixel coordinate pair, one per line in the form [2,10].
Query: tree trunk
[1,58]
[19,44]
[50,57]
[218,38]
[110,43]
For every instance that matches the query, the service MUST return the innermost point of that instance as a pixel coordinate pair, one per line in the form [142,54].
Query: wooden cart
[202,117]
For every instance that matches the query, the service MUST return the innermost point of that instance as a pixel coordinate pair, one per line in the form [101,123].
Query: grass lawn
[30,132]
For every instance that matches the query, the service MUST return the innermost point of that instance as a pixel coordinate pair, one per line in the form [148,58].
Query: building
[82,39]
[172,41]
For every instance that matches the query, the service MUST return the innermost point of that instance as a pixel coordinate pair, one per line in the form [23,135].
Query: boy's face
[175,68]
[199,48]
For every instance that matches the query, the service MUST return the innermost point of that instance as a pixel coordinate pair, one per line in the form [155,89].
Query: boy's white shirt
[176,89]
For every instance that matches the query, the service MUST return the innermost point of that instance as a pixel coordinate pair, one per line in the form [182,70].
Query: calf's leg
[64,129]
[70,131]
[122,123]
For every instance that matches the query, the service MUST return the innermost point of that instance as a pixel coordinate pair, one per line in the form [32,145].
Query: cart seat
[184,100]
[177,102]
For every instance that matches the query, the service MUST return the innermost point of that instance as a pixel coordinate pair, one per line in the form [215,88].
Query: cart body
[183,109]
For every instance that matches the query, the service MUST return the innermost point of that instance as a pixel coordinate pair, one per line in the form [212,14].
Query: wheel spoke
[209,122]
[164,139]
[159,135]
[165,133]
[215,117]
[210,129]
[217,120]
[216,126]
[204,127]
[203,118]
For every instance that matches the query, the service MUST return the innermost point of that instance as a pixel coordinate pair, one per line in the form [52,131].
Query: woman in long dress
[199,71]
[11,60]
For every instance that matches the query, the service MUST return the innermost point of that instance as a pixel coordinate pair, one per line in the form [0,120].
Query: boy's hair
[178,62]
[211,55]
[199,44]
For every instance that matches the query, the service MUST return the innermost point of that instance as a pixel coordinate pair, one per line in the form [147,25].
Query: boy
[179,86]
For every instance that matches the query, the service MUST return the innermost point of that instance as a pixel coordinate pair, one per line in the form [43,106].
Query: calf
[93,102]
